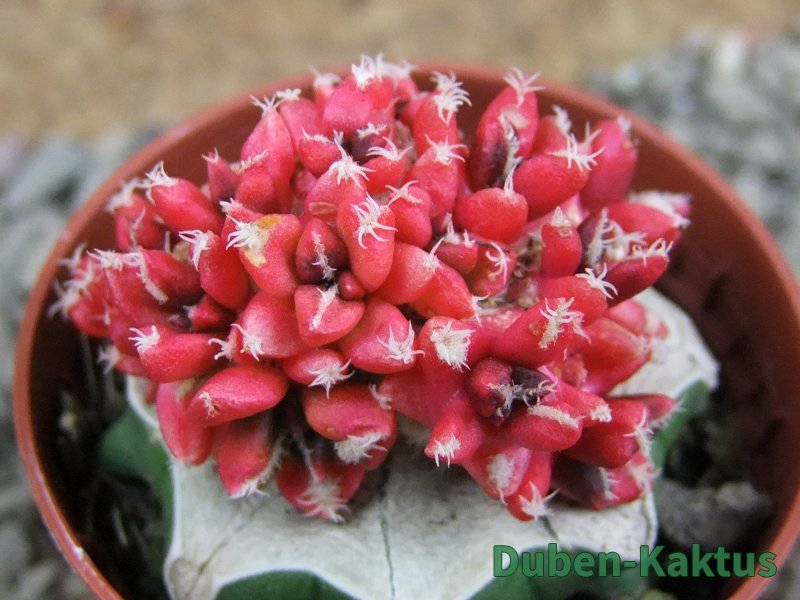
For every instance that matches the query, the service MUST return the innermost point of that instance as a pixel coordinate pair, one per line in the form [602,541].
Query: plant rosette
[427,342]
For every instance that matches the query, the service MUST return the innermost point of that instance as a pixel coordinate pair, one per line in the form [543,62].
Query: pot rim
[145,158]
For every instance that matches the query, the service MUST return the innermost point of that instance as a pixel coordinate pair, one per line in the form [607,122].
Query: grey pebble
[38,582]
[6,362]
[709,516]
[48,175]
[11,151]
[15,548]
[29,240]
[15,498]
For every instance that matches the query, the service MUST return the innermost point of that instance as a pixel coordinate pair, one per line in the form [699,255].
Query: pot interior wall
[723,274]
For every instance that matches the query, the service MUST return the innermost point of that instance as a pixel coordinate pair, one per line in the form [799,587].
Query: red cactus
[360,262]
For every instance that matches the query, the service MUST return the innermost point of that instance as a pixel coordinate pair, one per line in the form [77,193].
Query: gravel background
[734,98]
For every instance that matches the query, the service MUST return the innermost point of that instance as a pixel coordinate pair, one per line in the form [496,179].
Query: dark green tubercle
[129,450]
[689,401]
[281,584]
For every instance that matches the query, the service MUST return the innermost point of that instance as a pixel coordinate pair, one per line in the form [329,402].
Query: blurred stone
[14,499]
[15,550]
[72,587]
[6,362]
[11,149]
[28,241]
[48,175]
[38,581]
[709,516]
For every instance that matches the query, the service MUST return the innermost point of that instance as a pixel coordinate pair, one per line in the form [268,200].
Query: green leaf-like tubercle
[281,584]
[689,401]
[130,450]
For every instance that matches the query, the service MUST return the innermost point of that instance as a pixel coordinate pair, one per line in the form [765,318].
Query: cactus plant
[362,261]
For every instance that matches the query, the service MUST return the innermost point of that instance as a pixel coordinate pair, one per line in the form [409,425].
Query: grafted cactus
[362,260]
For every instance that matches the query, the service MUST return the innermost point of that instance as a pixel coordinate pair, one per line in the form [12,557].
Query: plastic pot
[727,273]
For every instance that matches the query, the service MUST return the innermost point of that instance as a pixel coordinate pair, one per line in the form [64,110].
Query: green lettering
[700,562]
[603,558]
[648,560]
[558,563]
[748,570]
[678,565]
[722,556]
[532,570]
[500,552]
[767,562]
[583,564]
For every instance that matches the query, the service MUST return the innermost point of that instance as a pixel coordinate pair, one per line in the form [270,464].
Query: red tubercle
[236,392]
[320,486]
[181,204]
[323,317]
[245,454]
[187,436]
[382,342]
[367,229]
[159,345]
[320,252]
[363,432]
[412,269]
[616,161]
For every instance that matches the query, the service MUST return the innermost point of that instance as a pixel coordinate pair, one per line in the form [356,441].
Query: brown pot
[727,273]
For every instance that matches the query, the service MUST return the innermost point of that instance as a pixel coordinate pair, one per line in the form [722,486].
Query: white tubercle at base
[679,360]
